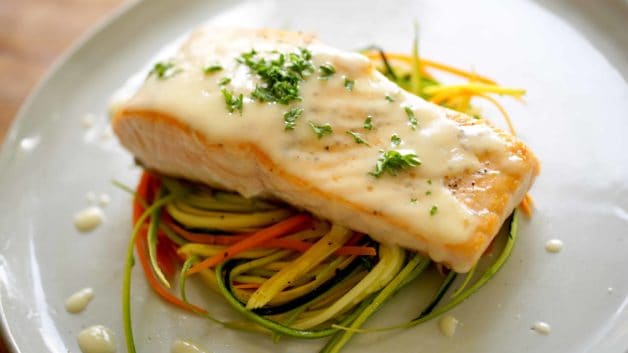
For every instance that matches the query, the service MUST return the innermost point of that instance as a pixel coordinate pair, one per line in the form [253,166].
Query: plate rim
[117,14]
[122,10]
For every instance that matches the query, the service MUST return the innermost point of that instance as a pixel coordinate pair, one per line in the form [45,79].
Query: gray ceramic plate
[572,58]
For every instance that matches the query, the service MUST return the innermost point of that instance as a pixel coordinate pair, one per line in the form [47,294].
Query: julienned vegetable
[314,293]
[289,273]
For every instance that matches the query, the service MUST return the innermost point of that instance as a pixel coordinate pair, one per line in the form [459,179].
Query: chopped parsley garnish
[395,140]
[433,210]
[233,102]
[429,181]
[390,98]
[349,84]
[210,69]
[428,193]
[368,123]
[163,70]
[280,76]
[411,118]
[290,118]
[246,57]
[414,200]
[357,137]
[394,161]
[326,70]
[321,129]
[224,81]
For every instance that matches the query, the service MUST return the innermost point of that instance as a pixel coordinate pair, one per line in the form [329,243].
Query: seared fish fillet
[345,145]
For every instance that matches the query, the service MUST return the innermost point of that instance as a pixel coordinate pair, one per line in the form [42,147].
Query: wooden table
[33,33]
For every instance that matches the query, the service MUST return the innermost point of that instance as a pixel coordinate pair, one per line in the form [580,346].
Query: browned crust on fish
[161,142]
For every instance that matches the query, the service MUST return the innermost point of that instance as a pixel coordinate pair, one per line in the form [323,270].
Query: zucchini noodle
[289,273]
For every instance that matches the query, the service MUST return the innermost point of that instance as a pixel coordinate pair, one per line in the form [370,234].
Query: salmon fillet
[339,158]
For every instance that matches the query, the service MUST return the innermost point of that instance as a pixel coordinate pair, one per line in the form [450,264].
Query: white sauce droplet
[88,120]
[183,346]
[97,339]
[88,219]
[553,245]
[447,325]
[542,327]
[78,301]
[104,200]
[610,290]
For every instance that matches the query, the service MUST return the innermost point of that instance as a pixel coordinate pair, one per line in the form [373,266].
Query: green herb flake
[433,210]
[349,84]
[326,71]
[321,129]
[428,193]
[368,123]
[210,69]
[394,161]
[280,75]
[395,140]
[163,70]
[233,102]
[290,118]
[429,181]
[411,118]
[414,200]
[390,98]
[357,137]
[224,81]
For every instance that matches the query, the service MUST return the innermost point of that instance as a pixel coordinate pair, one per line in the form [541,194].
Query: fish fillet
[185,121]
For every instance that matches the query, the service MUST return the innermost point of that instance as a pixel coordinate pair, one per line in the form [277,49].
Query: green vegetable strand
[486,276]
[152,242]
[413,268]
[427,315]
[222,279]
[126,279]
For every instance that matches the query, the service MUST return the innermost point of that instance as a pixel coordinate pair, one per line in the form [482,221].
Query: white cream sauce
[78,301]
[447,325]
[104,200]
[542,327]
[553,245]
[334,164]
[183,346]
[88,219]
[97,339]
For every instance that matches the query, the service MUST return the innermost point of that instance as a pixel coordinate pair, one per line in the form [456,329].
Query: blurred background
[33,34]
